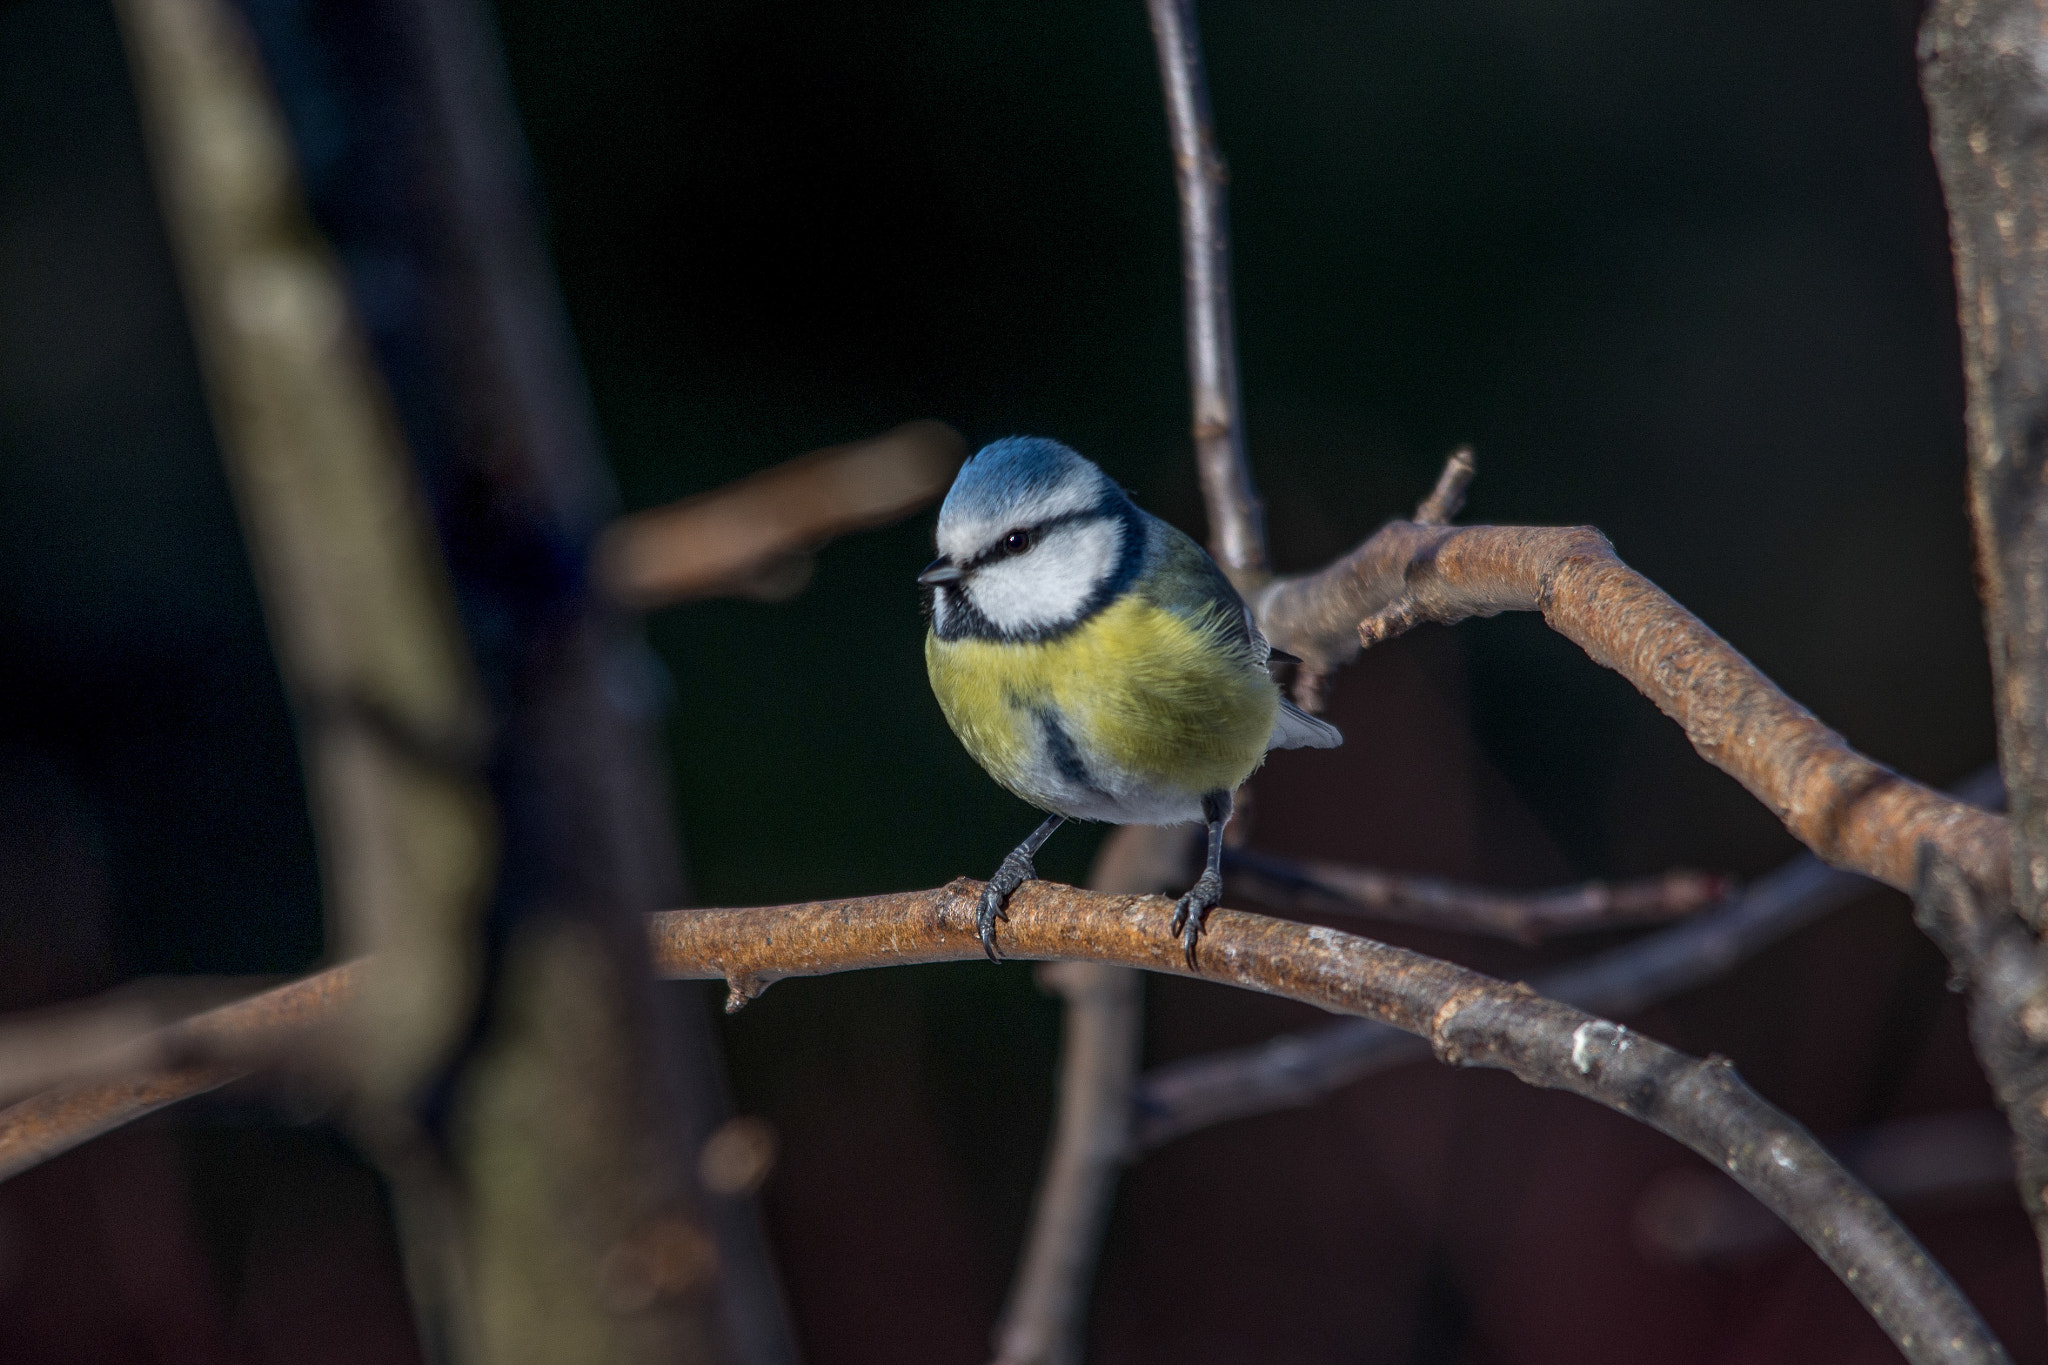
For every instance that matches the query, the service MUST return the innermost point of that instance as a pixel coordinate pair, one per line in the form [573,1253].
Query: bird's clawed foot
[1015,871]
[1193,908]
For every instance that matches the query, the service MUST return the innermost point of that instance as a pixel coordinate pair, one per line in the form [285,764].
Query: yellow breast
[1155,696]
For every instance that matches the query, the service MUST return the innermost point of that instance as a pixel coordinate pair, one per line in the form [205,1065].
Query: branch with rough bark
[1996,957]
[1466,1018]
[1855,813]
[1982,77]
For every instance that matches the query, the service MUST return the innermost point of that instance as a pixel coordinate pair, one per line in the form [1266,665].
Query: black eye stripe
[1033,534]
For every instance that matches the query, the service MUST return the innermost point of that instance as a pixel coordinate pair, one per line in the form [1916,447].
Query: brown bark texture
[1468,1019]
[1855,813]
[1982,73]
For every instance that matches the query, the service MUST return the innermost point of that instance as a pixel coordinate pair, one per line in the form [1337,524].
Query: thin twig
[1237,527]
[1044,1320]
[1447,499]
[1301,1068]
[1853,812]
[752,538]
[1525,917]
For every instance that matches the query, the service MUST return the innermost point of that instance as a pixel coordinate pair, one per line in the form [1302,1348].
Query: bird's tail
[1295,728]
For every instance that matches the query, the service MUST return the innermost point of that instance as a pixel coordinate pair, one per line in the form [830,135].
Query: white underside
[1113,795]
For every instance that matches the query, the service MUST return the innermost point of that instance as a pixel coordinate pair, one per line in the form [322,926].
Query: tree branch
[2005,969]
[1300,1068]
[1525,917]
[1697,1216]
[1468,1019]
[1856,814]
[1044,1321]
[1237,523]
[753,538]
[169,1064]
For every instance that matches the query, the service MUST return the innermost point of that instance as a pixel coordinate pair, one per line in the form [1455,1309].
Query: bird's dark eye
[1017,542]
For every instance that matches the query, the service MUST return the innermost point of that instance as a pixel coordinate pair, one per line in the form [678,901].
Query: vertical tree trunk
[1984,71]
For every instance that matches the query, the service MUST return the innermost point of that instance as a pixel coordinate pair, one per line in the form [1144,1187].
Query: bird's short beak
[940,570]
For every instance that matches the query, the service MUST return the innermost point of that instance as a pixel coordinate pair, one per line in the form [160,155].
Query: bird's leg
[1015,871]
[1207,891]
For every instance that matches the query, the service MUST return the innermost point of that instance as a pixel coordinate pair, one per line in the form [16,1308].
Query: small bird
[1095,661]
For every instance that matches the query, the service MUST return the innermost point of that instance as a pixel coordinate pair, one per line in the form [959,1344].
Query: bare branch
[1853,812]
[106,1035]
[1237,524]
[753,538]
[1301,1068]
[1044,1320]
[1310,884]
[170,1064]
[2005,968]
[1983,88]
[1468,1019]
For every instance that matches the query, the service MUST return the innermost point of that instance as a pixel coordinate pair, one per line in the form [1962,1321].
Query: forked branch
[1854,813]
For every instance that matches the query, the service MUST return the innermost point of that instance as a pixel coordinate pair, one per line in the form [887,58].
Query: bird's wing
[1180,576]
[1295,728]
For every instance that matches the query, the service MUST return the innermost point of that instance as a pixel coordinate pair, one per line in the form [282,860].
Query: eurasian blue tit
[1095,661]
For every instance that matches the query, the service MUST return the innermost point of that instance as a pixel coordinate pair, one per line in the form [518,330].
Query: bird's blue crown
[1014,470]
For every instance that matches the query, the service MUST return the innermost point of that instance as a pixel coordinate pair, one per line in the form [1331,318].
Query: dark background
[1677,270]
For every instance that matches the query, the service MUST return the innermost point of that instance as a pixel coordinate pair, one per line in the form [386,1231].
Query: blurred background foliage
[1677,270]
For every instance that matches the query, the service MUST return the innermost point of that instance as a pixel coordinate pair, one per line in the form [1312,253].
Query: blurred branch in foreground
[754,538]
[1526,917]
[526,1101]
[107,1035]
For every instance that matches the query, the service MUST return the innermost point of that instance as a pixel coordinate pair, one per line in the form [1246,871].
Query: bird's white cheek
[1049,585]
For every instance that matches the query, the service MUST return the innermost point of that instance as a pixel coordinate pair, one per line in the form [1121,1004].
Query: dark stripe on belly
[1059,747]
